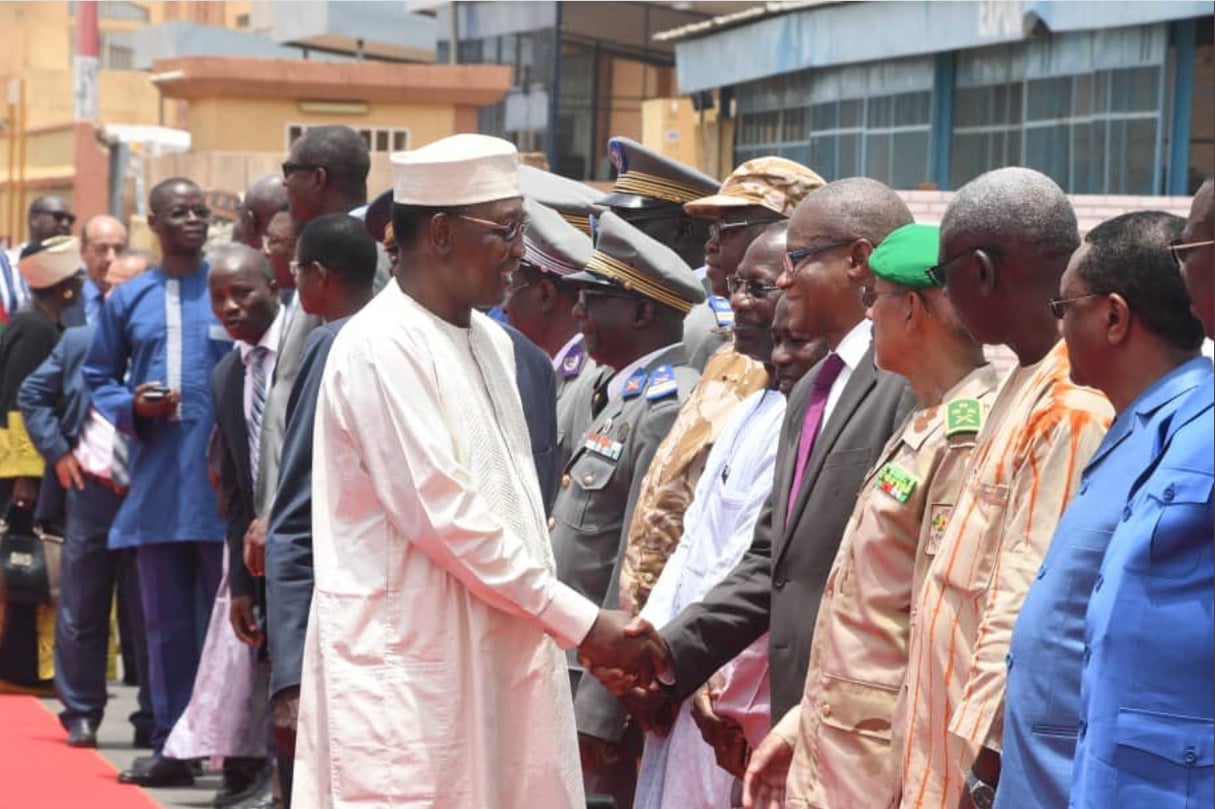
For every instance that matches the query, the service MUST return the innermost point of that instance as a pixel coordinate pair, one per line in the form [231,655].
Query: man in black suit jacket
[777,586]
[244,298]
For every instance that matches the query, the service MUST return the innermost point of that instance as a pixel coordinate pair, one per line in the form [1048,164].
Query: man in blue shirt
[1125,316]
[149,368]
[1147,709]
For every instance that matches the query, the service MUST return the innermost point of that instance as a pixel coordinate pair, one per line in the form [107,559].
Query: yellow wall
[671,126]
[260,124]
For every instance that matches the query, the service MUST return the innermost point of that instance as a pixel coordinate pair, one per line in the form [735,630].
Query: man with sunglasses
[634,295]
[540,303]
[1006,239]
[325,173]
[1146,709]
[757,195]
[1124,314]
[649,193]
[48,216]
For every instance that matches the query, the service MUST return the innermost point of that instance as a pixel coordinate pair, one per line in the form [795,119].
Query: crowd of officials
[348,483]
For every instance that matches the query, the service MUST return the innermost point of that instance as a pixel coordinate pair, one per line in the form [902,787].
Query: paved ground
[114,741]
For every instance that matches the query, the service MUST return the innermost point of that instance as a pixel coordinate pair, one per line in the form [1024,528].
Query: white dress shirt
[851,350]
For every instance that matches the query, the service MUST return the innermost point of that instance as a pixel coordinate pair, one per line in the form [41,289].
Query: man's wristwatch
[982,794]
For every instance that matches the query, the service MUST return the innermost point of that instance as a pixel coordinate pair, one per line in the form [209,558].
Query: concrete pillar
[90,187]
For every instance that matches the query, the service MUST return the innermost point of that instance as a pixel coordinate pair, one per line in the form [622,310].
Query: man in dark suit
[839,418]
[244,298]
[335,273]
[79,448]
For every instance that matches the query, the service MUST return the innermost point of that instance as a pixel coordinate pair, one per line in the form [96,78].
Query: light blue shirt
[93,298]
[161,329]
[1147,730]
[1042,700]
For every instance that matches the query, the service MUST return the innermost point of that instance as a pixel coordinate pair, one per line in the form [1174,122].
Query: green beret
[905,255]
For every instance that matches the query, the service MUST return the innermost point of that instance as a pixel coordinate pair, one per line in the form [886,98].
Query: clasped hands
[626,655]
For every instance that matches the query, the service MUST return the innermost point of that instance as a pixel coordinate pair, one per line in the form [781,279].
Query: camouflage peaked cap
[769,182]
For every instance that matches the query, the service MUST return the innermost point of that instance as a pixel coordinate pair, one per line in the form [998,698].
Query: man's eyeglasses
[750,287]
[939,275]
[296,266]
[1179,249]
[59,216]
[508,232]
[1059,306]
[587,294]
[869,295]
[716,229]
[200,212]
[290,168]
[795,257]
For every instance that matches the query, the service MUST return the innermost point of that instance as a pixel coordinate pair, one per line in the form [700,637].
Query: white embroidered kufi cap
[461,169]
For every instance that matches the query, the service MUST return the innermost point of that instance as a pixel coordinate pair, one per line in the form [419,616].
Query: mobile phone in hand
[155,394]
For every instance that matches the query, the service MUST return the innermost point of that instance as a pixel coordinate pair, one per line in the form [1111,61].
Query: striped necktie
[257,377]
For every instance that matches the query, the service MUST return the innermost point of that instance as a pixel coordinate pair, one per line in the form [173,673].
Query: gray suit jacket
[274,417]
[286,369]
[778,584]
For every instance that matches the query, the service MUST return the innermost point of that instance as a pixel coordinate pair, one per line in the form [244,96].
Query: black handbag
[29,566]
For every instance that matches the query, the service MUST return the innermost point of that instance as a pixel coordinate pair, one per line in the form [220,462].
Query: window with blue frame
[860,120]
[1087,109]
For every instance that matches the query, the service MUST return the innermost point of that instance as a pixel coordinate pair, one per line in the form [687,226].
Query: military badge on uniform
[634,385]
[963,416]
[722,311]
[662,383]
[938,520]
[616,155]
[897,482]
[599,441]
[571,366]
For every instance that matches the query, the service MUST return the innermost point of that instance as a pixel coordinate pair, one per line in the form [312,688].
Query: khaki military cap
[769,182]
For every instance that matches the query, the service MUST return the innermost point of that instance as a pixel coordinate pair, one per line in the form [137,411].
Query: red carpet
[39,771]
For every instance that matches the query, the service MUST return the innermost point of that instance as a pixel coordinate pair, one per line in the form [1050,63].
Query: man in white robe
[429,675]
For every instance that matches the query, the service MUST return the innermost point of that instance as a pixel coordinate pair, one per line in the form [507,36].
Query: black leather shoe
[81,733]
[244,780]
[142,739]
[157,771]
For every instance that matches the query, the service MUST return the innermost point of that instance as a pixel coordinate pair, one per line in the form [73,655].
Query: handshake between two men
[628,657]
[632,661]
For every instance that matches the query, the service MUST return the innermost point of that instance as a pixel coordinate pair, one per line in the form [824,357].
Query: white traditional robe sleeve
[429,678]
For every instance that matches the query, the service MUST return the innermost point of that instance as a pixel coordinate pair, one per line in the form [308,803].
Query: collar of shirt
[616,385]
[1180,380]
[560,356]
[851,350]
[269,339]
[855,343]
[89,291]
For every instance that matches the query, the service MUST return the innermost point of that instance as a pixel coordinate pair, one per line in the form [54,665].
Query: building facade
[1105,97]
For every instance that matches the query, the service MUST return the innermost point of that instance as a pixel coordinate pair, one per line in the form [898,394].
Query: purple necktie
[819,390]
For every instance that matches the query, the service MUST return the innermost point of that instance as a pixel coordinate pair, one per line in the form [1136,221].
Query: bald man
[1006,239]
[264,197]
[102,239]
[838,419]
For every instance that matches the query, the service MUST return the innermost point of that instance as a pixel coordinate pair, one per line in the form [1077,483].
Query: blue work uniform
[1046,655]
[1147,722]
